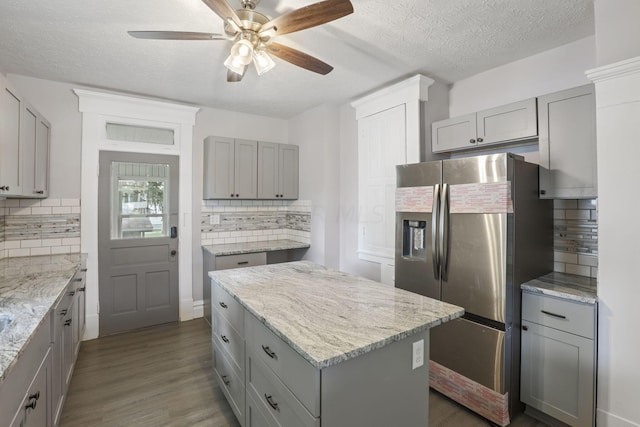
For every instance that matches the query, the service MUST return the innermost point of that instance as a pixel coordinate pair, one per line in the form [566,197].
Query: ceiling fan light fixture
[242,51]
[262,61]
[234,65]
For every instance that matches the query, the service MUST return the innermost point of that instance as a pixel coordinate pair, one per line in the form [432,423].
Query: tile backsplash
[575,237]
[240,221]
[39,227]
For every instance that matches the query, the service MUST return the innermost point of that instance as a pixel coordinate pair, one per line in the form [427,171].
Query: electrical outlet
[214,219]
[417,359]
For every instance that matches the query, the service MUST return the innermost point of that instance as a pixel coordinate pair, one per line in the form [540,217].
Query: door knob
[173,252]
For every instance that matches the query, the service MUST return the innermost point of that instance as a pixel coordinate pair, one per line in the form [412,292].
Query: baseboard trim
[198,308]
[186,310]
[607,419]
[91,327]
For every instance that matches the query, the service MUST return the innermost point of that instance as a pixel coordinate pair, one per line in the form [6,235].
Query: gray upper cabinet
[277,171]
[230,168]
[568,144]
[11,106]
[513,122]
[24,147]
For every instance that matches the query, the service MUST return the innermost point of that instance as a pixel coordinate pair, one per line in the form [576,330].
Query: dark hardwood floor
[162,376]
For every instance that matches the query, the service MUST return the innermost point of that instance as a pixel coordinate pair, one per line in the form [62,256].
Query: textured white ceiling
[86,42]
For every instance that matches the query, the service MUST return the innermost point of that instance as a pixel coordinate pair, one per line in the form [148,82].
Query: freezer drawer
[473,350]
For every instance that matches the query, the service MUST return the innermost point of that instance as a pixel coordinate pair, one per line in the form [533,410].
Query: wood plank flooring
[162,376]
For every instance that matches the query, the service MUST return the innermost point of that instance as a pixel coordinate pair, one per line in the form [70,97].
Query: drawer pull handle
[223,305]
[35,395]
[269,352]
[84,270]
[63,312]
[270,401]
[225,380]
[525,328]
[81,289]
[224,338]
[67,322]
[72,293]
[243,262]
[559,316]
[79,279]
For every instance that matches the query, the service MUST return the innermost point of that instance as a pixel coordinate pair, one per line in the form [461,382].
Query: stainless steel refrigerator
[469,231]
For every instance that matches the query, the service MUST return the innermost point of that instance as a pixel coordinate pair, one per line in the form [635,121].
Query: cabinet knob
[472,141]
[525,328]
[480,140]
[232,195]
[237,195]
[225,380]
[543,192]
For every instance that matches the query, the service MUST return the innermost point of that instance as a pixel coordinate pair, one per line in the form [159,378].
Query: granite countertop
[29,287]
[328,316]
[568,286]
[251,247]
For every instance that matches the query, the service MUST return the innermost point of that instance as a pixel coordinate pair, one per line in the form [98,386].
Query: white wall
[211,121]
[59,105]
[316,131]
[549,71]
[349,260]
[617,30]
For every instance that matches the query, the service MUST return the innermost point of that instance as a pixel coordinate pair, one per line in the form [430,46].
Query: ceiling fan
[252,34]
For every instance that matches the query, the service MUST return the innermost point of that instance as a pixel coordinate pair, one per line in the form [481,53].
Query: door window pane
[140,200]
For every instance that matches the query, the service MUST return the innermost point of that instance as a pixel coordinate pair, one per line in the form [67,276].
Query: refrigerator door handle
[443,242]
[435,212]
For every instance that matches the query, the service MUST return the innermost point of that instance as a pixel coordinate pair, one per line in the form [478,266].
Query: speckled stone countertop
[328,316]
[568,286]
[29,287]
[251,247]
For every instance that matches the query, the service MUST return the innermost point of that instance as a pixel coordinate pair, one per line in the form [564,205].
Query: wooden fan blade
[175,35]
[235,77]
[308,16]
[299,58]
[223,10]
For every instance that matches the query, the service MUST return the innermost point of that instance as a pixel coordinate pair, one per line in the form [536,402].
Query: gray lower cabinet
[568,143]
[230,168]
[25,390]
[558,356]
[277,171]
[282,389]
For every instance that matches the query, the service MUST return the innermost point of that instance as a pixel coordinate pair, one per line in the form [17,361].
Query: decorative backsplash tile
[39,227]
[575,237]
[239,221]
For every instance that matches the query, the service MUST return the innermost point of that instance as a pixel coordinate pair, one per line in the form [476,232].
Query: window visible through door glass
[140,200]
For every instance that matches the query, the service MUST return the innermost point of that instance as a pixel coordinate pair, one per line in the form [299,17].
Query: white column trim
[97,108]
[615,70]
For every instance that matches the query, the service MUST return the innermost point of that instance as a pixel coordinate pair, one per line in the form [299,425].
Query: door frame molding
[97,109]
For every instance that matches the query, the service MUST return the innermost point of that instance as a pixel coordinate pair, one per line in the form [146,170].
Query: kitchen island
[297,343]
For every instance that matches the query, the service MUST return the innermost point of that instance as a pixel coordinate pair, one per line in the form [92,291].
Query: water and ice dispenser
[414,240]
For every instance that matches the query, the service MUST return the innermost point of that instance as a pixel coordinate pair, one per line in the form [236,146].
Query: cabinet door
[510,122]
[219,155]
[454,134]
[41,161]
[37,404]
[10,151]
[268,176]
[288,171]
[246,169]
[558,374]
[57,363]
[29,130]
[568,144]
[68,347]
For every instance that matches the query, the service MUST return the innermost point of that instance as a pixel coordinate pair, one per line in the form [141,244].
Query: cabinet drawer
[231,384]
[226,262]
[255,416]
[274,397]
[228,340]
[229,308]
[569,316]
[295,372]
